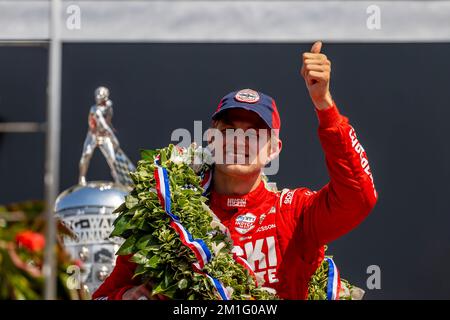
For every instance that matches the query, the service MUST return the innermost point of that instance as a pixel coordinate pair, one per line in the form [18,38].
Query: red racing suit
[282,233]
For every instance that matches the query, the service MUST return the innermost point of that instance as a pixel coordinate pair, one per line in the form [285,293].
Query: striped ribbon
[223,292]
[206,182]
[198,246]
[334,281]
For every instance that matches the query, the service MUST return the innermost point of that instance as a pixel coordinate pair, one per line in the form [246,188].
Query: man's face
[241,142]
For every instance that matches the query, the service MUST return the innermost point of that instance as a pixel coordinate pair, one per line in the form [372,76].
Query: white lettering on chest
[254,253]
[272,251]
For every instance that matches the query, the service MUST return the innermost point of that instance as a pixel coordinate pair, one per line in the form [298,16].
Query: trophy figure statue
[87,208]
[101,134]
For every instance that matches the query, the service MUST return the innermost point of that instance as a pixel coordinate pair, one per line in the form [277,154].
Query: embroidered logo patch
[247,96]
[245,223]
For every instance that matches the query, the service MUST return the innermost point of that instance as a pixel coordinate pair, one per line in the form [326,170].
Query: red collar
[250,200]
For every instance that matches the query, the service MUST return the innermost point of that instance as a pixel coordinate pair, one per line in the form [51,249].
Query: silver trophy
[87,208]
[101,134]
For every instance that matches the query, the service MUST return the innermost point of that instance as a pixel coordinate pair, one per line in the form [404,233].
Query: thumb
[316,47]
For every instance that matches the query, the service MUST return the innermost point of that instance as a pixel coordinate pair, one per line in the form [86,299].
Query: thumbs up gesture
[316,71]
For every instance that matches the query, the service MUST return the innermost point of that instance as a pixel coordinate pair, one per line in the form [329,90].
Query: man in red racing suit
[282,233]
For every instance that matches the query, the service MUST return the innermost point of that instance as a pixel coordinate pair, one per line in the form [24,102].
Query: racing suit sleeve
[119,281]
[350,195]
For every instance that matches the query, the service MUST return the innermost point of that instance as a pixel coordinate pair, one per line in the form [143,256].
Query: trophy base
[87,210]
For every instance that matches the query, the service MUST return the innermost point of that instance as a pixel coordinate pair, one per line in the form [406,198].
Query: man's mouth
[236,158]
[234,154]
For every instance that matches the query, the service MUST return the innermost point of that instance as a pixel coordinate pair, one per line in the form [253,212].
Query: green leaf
[140,270]
[145,241]
[153,262]
[147,154]
[120,225]
[131,201]
[167,291]
[182,284]
[121,208]
[163,156]
[168,277]
[127,246]
[142,224]
[140,258]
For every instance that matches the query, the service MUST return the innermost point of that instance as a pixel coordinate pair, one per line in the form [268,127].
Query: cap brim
[248,108]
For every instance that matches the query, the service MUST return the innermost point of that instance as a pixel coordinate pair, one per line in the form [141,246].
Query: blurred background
[169,63]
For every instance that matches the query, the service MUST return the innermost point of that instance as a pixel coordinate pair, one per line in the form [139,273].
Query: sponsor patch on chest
[244,223]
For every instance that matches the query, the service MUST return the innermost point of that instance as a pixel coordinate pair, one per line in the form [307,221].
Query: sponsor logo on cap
[247,96]
[245,223]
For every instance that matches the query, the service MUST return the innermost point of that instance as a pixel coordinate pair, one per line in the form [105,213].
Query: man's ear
[275,148]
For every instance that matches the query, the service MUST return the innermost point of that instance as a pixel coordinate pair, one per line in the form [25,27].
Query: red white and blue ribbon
[223,292]
[206,181]
[334,280]
[163,190]
[198,246]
